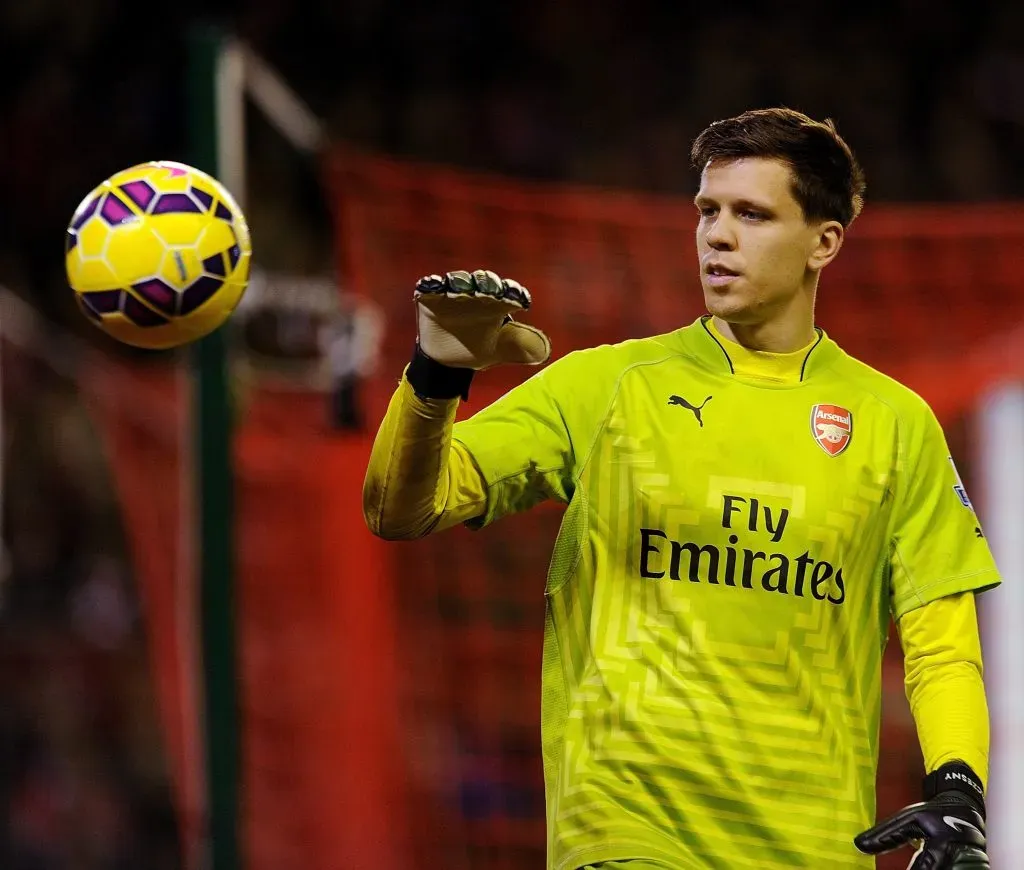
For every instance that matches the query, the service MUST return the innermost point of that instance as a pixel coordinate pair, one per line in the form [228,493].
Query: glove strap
[432,380]
[956,776]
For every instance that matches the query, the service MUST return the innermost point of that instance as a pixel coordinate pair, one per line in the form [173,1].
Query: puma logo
[679,400]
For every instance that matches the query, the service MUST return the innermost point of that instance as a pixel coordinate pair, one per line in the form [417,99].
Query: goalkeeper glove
[948,826]
[465,321]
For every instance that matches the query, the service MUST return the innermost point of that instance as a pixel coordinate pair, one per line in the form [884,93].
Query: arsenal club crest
[832,428]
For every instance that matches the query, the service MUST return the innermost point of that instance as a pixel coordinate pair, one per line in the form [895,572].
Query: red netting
[313,591]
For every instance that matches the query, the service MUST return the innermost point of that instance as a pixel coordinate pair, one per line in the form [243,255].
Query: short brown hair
[827,180]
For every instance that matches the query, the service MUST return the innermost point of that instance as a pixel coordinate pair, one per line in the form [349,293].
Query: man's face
[754,244]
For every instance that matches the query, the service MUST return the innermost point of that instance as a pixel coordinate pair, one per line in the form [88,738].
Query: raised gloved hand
[464,320]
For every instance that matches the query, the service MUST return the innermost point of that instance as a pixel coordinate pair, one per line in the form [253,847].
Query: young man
[747,506]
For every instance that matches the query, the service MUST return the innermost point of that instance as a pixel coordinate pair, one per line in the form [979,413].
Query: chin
[728,307]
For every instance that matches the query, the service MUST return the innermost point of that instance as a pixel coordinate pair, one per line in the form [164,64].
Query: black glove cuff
[956,776]
[432,380]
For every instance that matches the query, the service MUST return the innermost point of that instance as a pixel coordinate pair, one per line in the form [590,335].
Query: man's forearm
[417,480]
[945,688]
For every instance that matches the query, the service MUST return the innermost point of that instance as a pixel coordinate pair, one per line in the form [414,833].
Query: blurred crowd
[931,96]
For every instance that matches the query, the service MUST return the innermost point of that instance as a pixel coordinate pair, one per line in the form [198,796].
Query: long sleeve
[943,667]
[418,481]
[427,472]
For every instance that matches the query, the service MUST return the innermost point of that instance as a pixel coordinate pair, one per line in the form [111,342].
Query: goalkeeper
[747,506]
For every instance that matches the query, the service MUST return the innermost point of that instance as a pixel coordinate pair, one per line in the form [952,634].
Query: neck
[770,337]
[788,331]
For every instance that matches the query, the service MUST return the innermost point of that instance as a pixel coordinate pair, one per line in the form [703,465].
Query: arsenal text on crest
[832,428]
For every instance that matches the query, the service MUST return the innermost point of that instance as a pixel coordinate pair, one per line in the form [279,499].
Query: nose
[718,234]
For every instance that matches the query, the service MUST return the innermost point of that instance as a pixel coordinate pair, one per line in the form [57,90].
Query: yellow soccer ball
[158,255]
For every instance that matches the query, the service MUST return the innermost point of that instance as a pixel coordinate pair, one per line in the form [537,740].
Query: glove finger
[520,343]
[940,855]
[430,285]
[481,283]
[517,292]
[449,284]
[896,831]
[487,283]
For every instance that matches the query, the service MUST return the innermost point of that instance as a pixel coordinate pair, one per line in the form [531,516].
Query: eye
[707,211]
[749,214]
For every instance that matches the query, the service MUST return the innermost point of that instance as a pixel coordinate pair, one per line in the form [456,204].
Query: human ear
[828,241]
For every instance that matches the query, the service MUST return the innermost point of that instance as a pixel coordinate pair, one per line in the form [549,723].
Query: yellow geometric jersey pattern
[719,594]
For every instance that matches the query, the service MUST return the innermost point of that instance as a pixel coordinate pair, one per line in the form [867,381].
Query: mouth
[718,275]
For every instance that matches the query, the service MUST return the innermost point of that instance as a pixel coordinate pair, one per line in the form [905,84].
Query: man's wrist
[956,776]
[433,380]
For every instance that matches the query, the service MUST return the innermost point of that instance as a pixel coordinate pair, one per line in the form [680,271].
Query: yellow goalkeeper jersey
[720,590]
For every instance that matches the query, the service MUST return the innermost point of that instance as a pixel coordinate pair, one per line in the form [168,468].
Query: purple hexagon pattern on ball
[86,213]
[215,265]
[158,294]
[234,255]
[175,203]
[102,302]
[223,212]
[199,292]
[70,241]
[114,211]
[204,198]
[140,314]
[139,192]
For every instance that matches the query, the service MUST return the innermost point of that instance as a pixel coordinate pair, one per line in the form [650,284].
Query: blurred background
[388,695]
